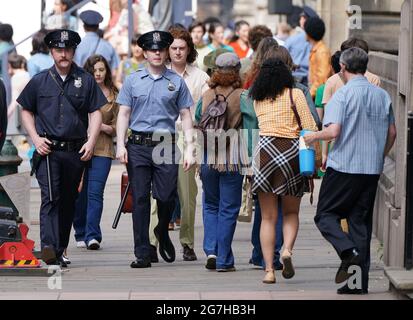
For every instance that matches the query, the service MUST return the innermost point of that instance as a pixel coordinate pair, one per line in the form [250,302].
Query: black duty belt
[67,146]
[146,139]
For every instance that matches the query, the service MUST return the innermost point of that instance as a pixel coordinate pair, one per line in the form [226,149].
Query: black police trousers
[351,197]
[144,175]
[56,217]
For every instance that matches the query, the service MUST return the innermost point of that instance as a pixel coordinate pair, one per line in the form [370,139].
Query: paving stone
[105,274]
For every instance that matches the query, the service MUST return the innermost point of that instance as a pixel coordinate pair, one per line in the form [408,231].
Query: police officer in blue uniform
[300,48]
[57,104]
[93,44]
[151,100]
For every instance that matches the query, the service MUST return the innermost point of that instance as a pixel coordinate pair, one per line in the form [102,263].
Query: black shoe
[346,290]
[351,258]
[228,269]
[278,265]
[166,247]
[62,262]
[154,255]
[211,263]
[141,263]
[49,255]
[66,259]
[189,254]
[93,245]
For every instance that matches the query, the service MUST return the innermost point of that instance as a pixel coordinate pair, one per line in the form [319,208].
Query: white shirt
[197,82]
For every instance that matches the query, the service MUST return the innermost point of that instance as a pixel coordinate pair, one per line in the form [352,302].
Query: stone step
[401,280]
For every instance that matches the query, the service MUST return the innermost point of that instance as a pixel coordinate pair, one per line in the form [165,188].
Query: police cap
[91,18]
[62,38]
[309,13]
[155,40]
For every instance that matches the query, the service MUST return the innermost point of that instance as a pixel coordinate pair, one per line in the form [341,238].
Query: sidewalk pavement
[105,274]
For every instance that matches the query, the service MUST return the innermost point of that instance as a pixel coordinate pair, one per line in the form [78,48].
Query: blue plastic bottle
[306,156]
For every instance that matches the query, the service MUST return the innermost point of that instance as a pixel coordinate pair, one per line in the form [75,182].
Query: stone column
[255,12]
[334,14]
[405,105]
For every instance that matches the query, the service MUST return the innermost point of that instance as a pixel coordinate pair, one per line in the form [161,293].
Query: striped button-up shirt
[365,113]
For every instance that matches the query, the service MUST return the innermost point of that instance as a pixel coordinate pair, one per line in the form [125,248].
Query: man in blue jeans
[257,258]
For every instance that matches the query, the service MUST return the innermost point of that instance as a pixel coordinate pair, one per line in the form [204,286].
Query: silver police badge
[78,82]
[171,86]
[64,36]
[156,37]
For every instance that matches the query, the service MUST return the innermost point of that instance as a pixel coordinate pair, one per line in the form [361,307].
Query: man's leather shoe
[154,255]
[352,258]
[346,290]
[166,247]
[62,262]
[49,255]
[141,263]
[189,254]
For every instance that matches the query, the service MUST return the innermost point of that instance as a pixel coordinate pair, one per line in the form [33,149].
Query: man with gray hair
[360,119]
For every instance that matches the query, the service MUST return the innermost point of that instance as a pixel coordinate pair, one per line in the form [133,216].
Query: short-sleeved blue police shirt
[155,103]
[300,50]
[62,117]
[91,44]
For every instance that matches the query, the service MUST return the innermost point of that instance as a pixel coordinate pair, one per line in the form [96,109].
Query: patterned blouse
[276,117]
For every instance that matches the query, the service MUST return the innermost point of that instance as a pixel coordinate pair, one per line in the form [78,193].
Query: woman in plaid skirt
[276,165]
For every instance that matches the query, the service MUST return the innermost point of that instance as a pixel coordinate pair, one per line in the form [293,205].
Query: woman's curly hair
[274,77]
[225,78]
[268,44]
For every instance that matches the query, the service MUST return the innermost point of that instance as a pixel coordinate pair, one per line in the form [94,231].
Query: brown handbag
[128,206]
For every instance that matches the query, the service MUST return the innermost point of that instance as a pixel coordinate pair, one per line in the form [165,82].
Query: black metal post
[42,14]
[408,253]
[131,27]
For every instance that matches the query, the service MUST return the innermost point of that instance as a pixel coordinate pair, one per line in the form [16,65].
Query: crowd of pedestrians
[203,77]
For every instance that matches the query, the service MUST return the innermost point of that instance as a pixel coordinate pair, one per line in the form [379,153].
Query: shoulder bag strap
[233,90]
[61,88]
[57,82]
[294,107]
[297,116]
[97,46]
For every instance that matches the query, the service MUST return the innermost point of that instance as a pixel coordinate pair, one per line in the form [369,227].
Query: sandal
[269,277]
[288,270]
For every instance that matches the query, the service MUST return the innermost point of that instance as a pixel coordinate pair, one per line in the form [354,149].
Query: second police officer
[93,44]
[151,100]
[57,104]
